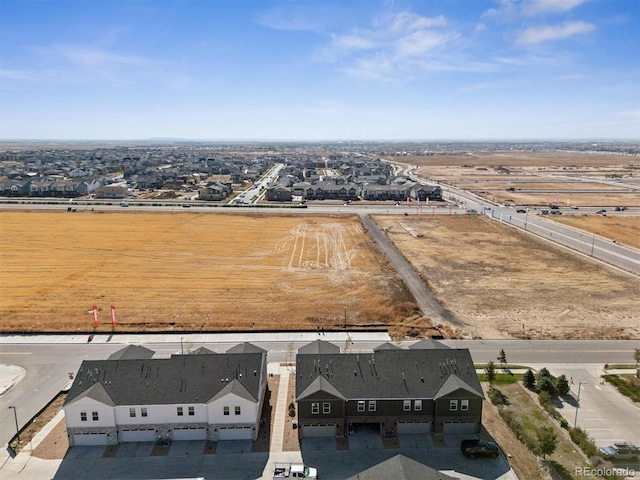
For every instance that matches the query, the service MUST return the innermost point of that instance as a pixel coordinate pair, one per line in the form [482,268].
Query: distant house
[278,193]
[389,391]
[214,191]
[115,191]
[133,398]
[14,188]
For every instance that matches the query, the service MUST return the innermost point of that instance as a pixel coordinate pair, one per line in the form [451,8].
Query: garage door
[307,431]
[84,439]
[138,435]
[458,427]
[235,433]
[189,434]
[414,427]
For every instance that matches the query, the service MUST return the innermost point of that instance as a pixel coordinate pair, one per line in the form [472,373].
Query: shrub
[582,440]
[546,384]
[529,380]
[544,398]
[497,397]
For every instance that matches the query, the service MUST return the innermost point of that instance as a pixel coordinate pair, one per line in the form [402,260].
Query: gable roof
[387,346]
[401,468]
[246,347]
[166,381]
[130,352]
[236,388]
[427,343]
[320,384]
[387,374]
[319,346]
[453,383]
[201,351]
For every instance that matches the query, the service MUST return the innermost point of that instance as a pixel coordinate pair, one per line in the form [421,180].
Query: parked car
[479,448]
[294,470]
[620,451]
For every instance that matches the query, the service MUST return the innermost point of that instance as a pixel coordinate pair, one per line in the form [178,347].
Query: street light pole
[593,242]
[15,415]
[575,421]
[181,347]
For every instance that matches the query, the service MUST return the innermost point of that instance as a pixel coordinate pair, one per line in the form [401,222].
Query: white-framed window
[417,405]
[453,405]
[143,411]
[326,408]
[95,417]
[132,412]
[83,416]
[372,405]
[315,408]
[237,410]
[464,405]
[361,405]
[180,411]
[192,411]
[225,410]
[406,405]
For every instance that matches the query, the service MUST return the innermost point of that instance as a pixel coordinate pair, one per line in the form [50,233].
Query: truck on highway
[294,470]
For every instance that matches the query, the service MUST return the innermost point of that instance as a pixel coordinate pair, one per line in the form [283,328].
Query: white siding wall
[248,410]
[161,414]
[73,410]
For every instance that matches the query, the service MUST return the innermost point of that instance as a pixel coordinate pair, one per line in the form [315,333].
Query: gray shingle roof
[162,381]
[130,352]
[401,468]
[319,346]
[386,346]
[427,343]
[202,351]
[246,347]
[387,374]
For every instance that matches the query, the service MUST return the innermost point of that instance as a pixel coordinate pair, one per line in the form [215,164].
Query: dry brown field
[194,272]
[577,179]
[624,229]
[504,283]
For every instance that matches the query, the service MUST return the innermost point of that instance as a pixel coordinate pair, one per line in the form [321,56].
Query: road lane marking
[15,353]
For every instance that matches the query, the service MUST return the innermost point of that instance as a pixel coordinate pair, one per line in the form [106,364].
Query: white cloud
[409,22]
[88,56]
[541,7]
[544,33]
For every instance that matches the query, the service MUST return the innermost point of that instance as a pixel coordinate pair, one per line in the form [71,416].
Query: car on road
[479,448]
[574,207]
[602,211]
[554,207]
[544,211]
[620,451]
[556,212]
[521,210]
[620,209]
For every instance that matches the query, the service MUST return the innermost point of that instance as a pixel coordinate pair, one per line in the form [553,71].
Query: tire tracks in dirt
[426,300]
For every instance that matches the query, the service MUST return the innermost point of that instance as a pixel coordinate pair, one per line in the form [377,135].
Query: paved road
[427,302]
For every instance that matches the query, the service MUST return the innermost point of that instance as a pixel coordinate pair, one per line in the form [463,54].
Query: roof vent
[355,374]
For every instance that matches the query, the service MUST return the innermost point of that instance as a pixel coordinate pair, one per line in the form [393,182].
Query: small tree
[543,372]
[547,441]
[545,384]
[529,380]
[490,372]
[562,385]
[502,358]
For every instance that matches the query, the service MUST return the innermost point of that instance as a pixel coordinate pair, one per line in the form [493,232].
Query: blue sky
[314,70]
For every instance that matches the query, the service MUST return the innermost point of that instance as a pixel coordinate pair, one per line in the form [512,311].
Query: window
[225,410]
[180,411]
[315,408]
[94,415]
[406,405]
[132,412]
[192,411]
[417,405]
[237,409]
[83,416]
[143,412]
[453,405]
[361,405]
[326,408]
[372,405]
[464,405]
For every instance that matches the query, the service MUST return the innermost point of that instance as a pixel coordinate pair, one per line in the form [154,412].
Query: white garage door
[189,434]
[138,435]
[238,433]
[307,431]
[84,439]
[458,427]
[414,427]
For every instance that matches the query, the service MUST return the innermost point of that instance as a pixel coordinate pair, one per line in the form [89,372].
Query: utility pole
[345,319]
[181,347]
[15,415]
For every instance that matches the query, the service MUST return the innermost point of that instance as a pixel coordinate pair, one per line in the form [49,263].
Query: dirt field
[504,283]
[623,229]
[192,272]
[537,178]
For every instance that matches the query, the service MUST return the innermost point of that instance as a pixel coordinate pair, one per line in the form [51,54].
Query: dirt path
[427,302]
